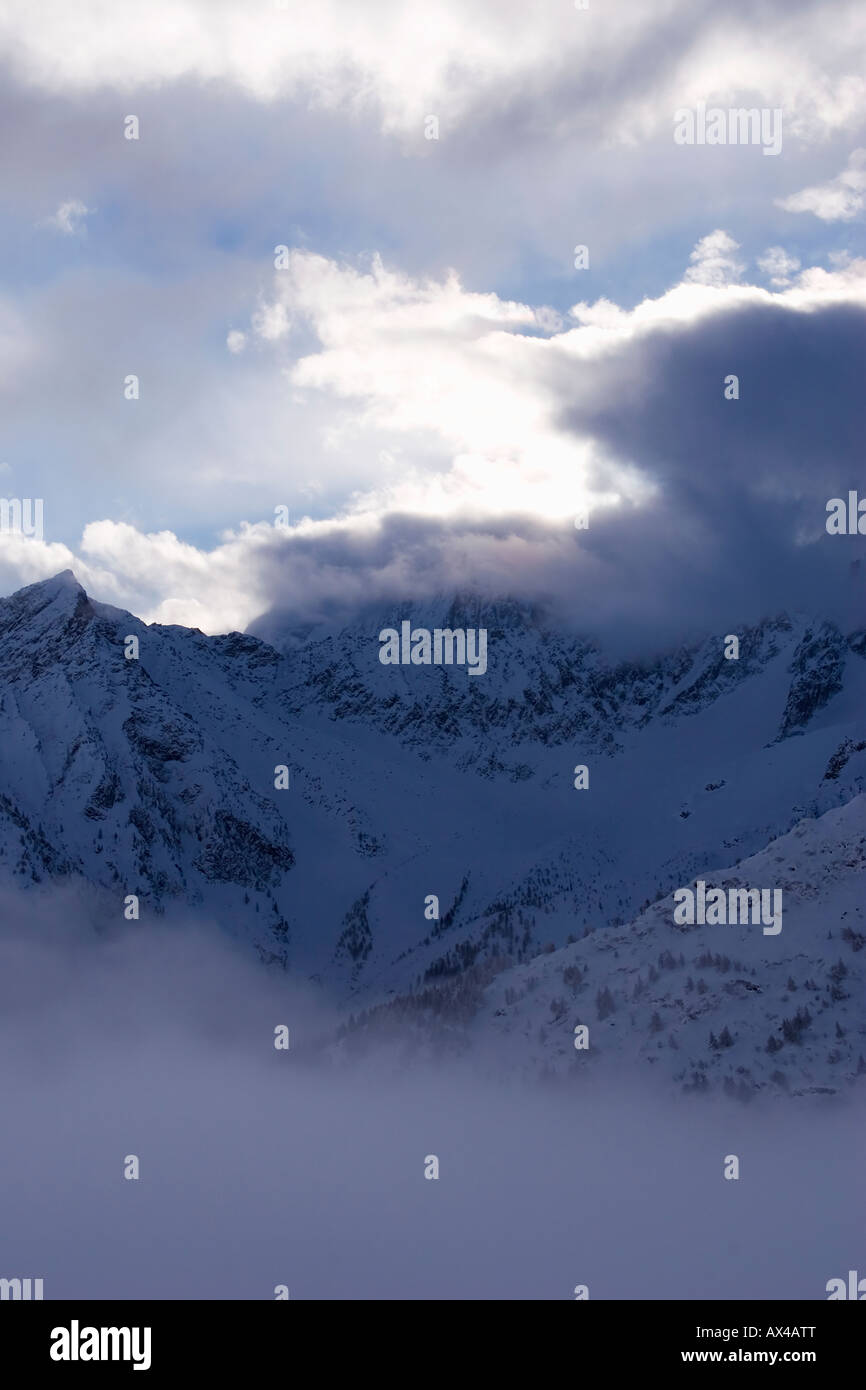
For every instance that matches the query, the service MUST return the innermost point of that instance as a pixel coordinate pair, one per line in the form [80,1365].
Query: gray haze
[261,1168]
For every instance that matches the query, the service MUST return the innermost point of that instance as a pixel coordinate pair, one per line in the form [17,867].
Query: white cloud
[839,200]
[176,582]
[778,265]
[453,370]
[271,322]
[411,61]
[155,575]
[713,261]
[69,217]
[236,341]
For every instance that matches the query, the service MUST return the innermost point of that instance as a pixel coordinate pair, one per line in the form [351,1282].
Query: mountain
[155,774]
[706,1006]
[549,689]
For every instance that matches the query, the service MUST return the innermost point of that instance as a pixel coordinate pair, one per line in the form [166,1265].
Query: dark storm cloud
[735,531]
[798,424]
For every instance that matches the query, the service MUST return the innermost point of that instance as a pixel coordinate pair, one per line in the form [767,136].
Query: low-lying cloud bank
[260,1167]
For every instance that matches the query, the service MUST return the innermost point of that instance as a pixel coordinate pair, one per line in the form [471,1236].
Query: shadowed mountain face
[156,773]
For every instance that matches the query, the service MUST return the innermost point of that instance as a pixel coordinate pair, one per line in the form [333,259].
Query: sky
[341,260]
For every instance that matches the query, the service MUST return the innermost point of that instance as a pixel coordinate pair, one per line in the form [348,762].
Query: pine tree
[604,1003]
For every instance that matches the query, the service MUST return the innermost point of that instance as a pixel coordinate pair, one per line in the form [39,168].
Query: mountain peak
[59,585]
[65,579]
[51,605]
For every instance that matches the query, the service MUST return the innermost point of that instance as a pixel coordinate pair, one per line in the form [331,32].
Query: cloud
[839,200]
[478,386]
[713,261]
[778,265]
[391,61]
[443,373]
[702,512]
[562,138]
[490,433]
[69,217]
[271,322]
[261,1168]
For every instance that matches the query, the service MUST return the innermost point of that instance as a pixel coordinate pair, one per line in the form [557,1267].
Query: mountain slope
[155,776]
[710,1006]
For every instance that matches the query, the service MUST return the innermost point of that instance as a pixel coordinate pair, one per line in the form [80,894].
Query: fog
[261,1167]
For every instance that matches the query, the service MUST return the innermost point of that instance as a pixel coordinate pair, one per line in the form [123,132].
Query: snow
[156,776]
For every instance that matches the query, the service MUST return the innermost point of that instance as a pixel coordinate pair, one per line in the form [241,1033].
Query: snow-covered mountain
[155,774]
[705,1005]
